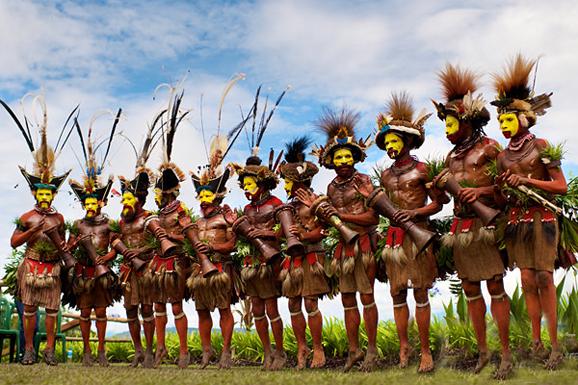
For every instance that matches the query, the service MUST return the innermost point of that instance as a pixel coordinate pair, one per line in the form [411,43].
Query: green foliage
[375,175]
[434,166]
[114,226]
[554,152]
[467,184]
[152,242]
[11,271]
[43,247]
[71,228]
[492,169]
[18,223]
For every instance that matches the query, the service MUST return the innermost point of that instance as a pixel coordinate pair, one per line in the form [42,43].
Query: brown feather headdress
[514,93]
[91,185]
[340,130]
[399,118]
[44,155]
[295,167]
[458,88]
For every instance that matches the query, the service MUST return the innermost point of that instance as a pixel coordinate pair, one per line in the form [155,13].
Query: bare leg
[49,356]
[315,321]
[477,312]
[160,327]
[262,326]
[29,326]
[279,357]
[370,318]
[548,302]
[299,329]
[205,326]
[227,323]
[401,317]
[101,333]
[85,332]
[422,316]
[182,326]
[148,318]
[134,330]
[501,312]
[352,321]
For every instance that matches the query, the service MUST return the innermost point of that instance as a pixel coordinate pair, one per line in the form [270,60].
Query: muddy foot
[538,352]
[279,360]
[102,360]
[137,359]
[318,360]
[370,361]
[426,363]
[184,359]
[267,361]
[207,355]
[482,361]
[505,369]
[352,359]
[29,357]
[302,355]
[225,362]
[87,359]
[403,357]
[50,357]
[159,356]
[149,359]
[554,361]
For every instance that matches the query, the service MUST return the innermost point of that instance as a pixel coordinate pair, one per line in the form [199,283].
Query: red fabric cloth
[273,200]
[41,267]
[466,225]
[311,258]
[364,244]
[395,236]
[84,271]
[158,262]
[518,215]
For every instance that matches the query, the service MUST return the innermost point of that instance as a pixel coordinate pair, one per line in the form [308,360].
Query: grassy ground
[120,374]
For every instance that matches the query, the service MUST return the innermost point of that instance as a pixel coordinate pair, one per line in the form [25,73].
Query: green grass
[122,375]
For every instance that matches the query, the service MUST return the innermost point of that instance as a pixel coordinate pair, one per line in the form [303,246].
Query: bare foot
[29,357]
[279,360]
[403,357]
[87,360]
[184,359]
[102,360]
[505,369]
[538,352]
[267,361]
[50,357]
[207,355]
[554,361]
[159,356]
[370,360]
[482,361]
[426,363]
[149,359]
[137,359]
[302,355]
[318,360]
[352,359]
[225,362]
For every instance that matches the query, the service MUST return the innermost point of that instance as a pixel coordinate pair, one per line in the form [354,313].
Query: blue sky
[111,54]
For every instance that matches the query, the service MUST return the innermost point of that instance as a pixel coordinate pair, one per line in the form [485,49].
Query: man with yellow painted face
[405,183]
[303,277]
[92,290]
[134,244]
[353,263]
[39,273]
[261,276]
[214,239]
[475,250]
[532,235]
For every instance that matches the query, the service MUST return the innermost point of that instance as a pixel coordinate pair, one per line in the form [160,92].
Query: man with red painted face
[532,234]
[303,276]
[38,275]
[132,241]
[475,250]
[405,184]
[353,262]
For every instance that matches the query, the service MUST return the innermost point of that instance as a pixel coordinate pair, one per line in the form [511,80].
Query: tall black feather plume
[264,127]
[112,131]
[27,137]
[254,108]
[81,137]
[295,150]
[64,128]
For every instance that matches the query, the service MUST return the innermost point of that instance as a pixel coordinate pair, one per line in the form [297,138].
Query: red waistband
[40,266]
[519,215]
[362,246]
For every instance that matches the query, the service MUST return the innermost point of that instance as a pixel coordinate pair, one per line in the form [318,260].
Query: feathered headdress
[295,167]
[340,130]
[43,154]
[459,86]
[265,175]
[399,118]
[211,177]
[91,186]
[170,118]
[514,93]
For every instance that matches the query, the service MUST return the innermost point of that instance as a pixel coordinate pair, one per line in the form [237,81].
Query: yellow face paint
[158,196]
[343,157]
[509,124]
[250,185]
[452,125]
[128,202]
[393,144]
[91,207]
[288,186]
[206,196]
[44,198]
